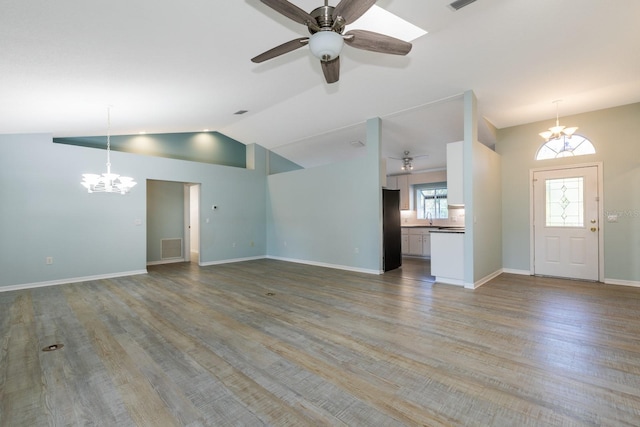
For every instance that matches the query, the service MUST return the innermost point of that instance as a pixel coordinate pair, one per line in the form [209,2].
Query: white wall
[615,133]
[44,211]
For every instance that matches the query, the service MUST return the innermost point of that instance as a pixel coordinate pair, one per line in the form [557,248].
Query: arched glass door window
[564,146]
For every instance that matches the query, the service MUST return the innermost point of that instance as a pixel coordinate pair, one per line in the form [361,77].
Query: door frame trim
[599,168]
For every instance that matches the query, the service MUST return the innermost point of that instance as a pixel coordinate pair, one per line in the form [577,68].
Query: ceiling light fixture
[407,164]
[555,132]
[107,182]
[326,45]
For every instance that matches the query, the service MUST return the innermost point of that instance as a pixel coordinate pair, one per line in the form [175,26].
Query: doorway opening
[192,222]
[173,222]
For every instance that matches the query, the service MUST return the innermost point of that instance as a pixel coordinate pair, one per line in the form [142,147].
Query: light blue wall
[278,164]
[615,133]
[487,212]
[44,211]
[322,214]
[165,215]
[483,202]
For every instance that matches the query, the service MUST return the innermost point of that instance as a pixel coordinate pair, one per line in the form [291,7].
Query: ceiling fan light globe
[326,45]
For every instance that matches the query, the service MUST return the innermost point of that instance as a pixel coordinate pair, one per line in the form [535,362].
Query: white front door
[566,233]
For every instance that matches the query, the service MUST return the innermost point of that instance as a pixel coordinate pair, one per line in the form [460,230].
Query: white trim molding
[167,261]
[323,264]
[619,282]
[516,271]
[70,280]
[230,261]
[484,280]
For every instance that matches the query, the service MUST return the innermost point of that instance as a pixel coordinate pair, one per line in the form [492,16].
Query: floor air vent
[459,4]
[171,248]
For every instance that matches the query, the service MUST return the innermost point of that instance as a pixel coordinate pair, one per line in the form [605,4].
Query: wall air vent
[171,248]
[459,4]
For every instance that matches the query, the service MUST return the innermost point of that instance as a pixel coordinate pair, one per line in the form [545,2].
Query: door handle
[593,221]
[594,229]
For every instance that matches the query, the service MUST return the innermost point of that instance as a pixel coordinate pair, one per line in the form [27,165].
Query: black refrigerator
[391,235]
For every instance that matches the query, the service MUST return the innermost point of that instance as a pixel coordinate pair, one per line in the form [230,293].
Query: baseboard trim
[327,265]
[515,271]
[632,283]
[484,280]
[70,280]
[449,281]
[166,261]
[230,261]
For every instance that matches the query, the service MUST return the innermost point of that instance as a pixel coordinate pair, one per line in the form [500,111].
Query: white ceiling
[185,66]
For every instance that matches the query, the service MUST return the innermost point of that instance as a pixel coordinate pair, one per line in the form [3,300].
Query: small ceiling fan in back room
[407,161]
[326,25]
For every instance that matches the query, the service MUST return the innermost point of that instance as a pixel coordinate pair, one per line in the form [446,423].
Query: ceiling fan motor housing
[324,18]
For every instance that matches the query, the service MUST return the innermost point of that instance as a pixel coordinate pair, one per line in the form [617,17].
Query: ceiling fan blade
[290,10]
[331,70]
[281,50]
[376,42]
[350,10]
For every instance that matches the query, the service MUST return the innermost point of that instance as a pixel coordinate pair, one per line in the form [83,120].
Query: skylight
[381,21]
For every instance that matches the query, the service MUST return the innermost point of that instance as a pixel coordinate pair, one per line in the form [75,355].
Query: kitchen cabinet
[419,242]
[455,173]
[403,186]
[404,236]
[392,183]
[447,257]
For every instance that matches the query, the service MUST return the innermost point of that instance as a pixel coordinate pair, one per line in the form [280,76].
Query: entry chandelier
[107,182]
[557,131]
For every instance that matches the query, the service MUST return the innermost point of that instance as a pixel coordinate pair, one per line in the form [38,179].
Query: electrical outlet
[357,250]
[49,260]
[233,245]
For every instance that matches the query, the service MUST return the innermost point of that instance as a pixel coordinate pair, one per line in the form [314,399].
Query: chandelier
[557,131]
[107,182]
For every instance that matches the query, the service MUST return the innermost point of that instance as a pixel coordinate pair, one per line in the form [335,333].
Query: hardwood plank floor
[273,343]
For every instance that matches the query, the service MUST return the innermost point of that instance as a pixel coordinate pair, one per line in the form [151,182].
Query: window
[431,201]
[565,202]
[577,145]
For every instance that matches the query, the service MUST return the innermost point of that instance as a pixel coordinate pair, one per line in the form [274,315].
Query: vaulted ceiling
[185,66]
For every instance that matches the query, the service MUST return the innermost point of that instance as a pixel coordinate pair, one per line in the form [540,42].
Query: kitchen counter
[449,230]
[438,228]
[447,256]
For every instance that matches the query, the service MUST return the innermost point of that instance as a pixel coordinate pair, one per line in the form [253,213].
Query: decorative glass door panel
[565,202]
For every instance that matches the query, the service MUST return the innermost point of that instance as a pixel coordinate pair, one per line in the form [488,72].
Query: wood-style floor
[273,343]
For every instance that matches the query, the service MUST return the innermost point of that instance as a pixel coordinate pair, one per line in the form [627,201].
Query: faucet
[430,218]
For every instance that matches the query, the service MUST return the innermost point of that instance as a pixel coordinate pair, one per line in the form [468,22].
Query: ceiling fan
[407,161]
[326,25]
